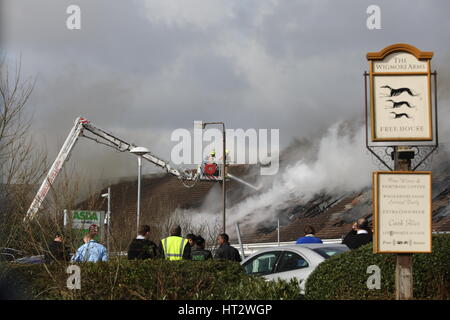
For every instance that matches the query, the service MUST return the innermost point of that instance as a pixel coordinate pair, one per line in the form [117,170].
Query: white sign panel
[83,219]
[402,212]
[404,114]
[400,95]
[400,62]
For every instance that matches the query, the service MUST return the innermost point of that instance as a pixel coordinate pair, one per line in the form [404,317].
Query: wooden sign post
[401,115]
[403,267]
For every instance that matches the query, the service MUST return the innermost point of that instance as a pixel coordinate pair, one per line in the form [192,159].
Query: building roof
[332,223]
[331,217]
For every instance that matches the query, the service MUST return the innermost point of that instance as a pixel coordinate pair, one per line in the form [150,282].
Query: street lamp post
[223,169]
[139,151]
[107,222]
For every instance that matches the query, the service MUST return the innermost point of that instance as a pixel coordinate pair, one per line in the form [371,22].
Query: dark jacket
[354,240]
[57,251]
[227,252]
[200,254]
[142,249]
[186,251]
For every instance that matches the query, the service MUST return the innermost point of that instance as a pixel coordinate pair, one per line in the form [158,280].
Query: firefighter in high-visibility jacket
[175,247]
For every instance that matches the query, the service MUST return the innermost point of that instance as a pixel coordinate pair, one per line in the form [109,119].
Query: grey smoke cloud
[141,69]
[337,169]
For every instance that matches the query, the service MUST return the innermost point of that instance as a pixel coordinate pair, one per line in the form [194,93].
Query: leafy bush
[345,276]
[256,288]
[153,279]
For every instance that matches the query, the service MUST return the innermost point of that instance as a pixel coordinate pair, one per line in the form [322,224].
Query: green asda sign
[85,215]
[83,219]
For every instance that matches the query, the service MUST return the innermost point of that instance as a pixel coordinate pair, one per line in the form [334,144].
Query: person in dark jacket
[359,235]
[199,253]
[225,251]
[57,251]
[142,248]
[191,240]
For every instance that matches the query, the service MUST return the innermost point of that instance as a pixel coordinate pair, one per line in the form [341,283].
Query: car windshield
[327,252]
[262,264]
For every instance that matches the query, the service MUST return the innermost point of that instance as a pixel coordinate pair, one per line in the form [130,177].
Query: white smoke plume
[342,165]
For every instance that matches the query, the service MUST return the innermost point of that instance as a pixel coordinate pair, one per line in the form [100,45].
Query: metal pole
[436,108]
[223,176]
[278,231]
[65,218]
[238,231]
[403,268]
[108,221]
[223,170]
[138,209]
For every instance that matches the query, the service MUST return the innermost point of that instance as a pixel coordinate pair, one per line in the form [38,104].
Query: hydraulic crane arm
[80,128]
[125,146]
[55,168]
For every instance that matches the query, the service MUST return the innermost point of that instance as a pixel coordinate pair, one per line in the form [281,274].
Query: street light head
[140,151]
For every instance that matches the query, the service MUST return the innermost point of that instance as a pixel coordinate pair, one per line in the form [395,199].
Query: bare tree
[21,164]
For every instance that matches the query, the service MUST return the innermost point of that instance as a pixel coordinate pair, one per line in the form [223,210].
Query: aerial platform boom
[82,127]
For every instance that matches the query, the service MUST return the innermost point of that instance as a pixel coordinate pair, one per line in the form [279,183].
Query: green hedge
[151,279]
[340,277]
[345,276]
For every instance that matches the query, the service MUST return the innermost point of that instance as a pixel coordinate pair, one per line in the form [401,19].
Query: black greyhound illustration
[398,104]
[399,115]
[399,91]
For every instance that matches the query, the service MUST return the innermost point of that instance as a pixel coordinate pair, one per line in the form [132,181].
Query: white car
[293,261]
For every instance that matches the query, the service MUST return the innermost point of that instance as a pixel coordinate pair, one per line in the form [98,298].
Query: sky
[141,69]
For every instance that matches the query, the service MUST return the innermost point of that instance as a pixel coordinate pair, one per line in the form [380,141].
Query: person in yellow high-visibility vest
[175,247]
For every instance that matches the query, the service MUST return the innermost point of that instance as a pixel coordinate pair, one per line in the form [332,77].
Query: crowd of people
[174,247]
[191,247]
